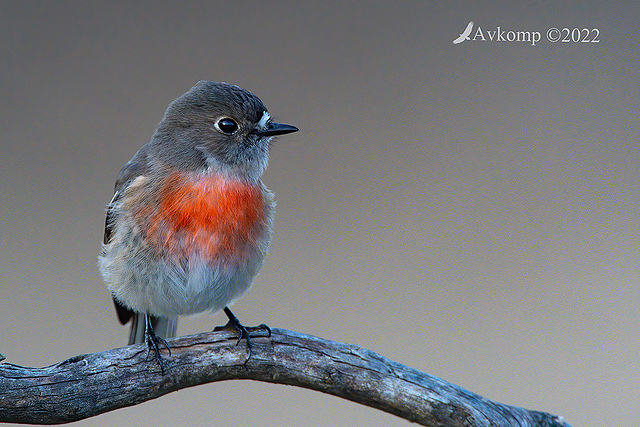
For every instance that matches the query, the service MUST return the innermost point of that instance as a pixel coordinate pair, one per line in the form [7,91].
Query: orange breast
[208,216]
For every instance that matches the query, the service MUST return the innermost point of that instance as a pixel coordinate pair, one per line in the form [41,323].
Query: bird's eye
[227,125]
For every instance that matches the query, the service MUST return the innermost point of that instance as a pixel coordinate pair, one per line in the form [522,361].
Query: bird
[465,34]
[190,221]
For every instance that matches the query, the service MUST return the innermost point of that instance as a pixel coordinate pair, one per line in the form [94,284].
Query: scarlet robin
[190,221]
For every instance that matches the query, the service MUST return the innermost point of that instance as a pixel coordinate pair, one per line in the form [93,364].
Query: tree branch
[91,384]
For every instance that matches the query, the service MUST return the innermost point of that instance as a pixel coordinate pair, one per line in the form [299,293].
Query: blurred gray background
[468,210]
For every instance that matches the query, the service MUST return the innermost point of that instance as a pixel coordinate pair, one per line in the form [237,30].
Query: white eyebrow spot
[263,120]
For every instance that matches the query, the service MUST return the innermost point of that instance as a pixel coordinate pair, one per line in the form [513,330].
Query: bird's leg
[152,341]
[242,330]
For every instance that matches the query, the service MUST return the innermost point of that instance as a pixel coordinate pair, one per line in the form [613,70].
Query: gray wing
[132,169]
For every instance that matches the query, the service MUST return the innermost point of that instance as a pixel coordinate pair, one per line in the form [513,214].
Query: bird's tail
[163,327]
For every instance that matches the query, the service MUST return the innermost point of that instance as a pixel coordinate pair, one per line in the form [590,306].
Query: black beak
[274,129]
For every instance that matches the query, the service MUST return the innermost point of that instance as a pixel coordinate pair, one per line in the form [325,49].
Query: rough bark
[91,384]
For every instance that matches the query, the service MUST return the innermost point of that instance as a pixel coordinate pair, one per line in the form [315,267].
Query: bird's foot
[243,331]
[152,341]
